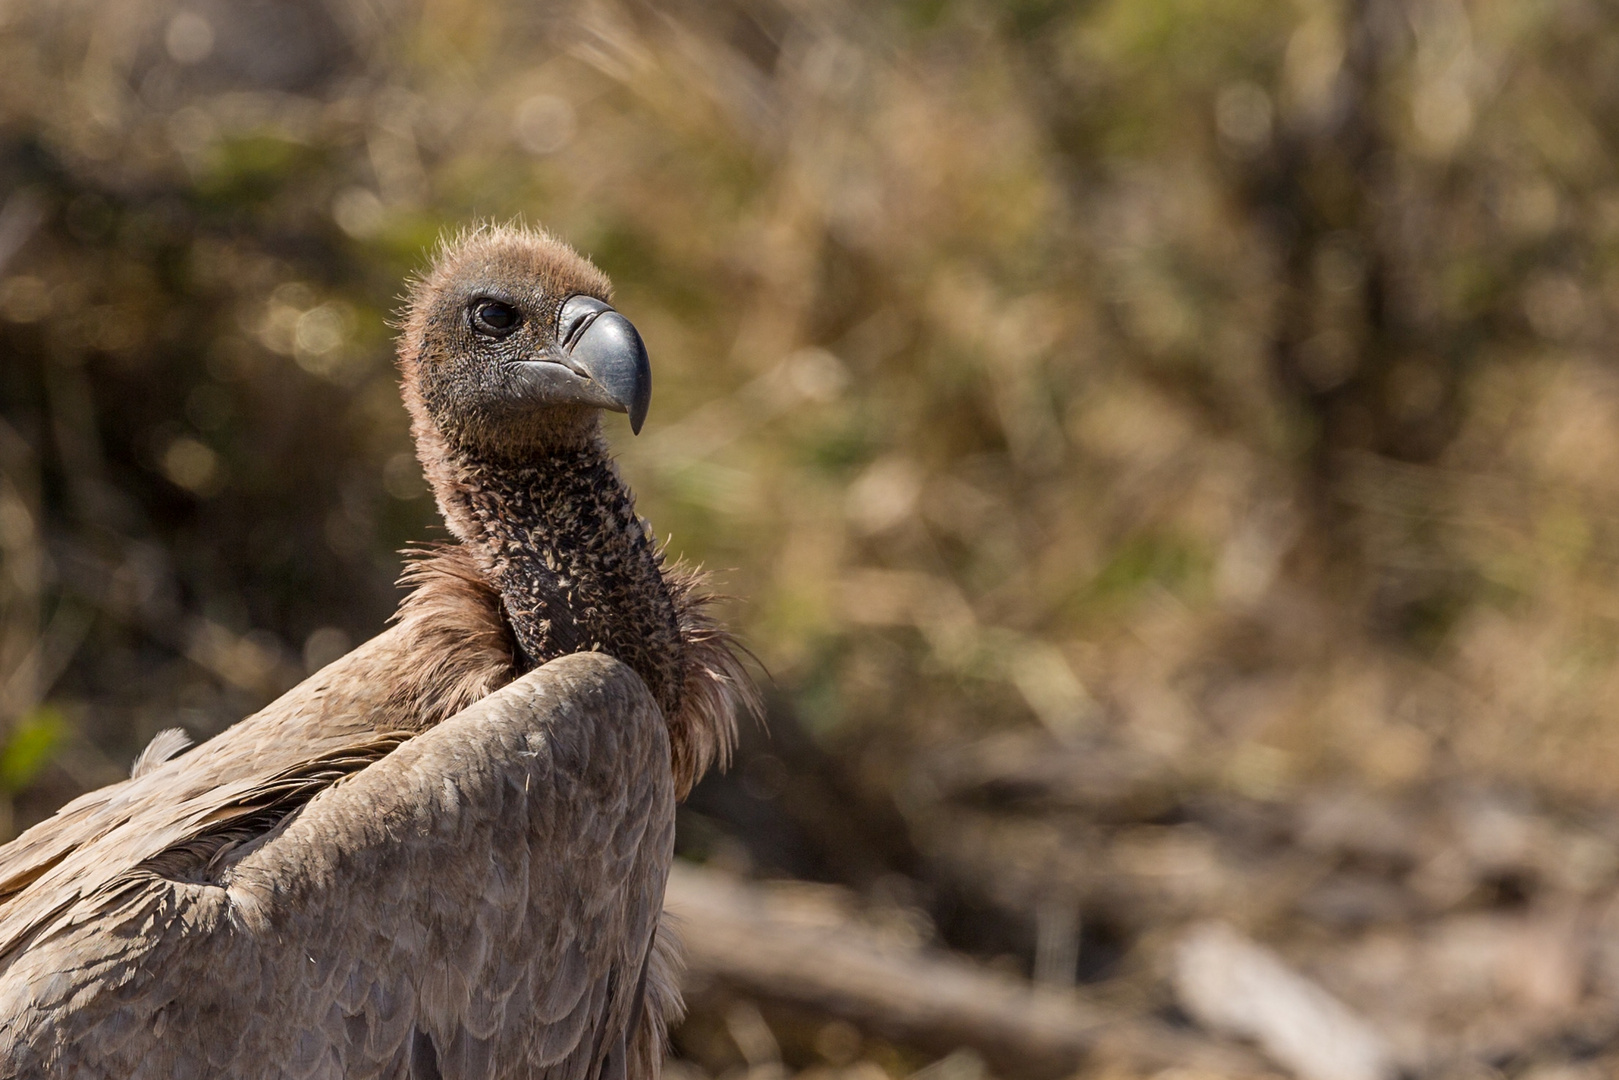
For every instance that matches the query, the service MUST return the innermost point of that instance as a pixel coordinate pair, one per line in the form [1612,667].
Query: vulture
[443,855]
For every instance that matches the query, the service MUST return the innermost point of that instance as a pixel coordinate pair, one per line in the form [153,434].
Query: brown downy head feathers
[452,374]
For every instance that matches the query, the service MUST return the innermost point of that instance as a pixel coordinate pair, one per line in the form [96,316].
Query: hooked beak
[600,361]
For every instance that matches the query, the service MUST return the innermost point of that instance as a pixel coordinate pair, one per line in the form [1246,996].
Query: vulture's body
[444,854]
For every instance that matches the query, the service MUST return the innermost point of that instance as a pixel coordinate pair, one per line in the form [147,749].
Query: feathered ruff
[462,649]
[460,646]
[716,690]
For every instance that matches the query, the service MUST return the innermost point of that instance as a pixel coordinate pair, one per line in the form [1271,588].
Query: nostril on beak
[576,316]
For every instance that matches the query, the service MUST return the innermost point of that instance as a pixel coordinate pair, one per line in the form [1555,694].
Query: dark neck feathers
[558,536]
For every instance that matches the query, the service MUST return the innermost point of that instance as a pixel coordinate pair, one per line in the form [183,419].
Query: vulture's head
[511,346]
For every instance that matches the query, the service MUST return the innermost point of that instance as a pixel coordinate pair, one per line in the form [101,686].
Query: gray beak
[600,361]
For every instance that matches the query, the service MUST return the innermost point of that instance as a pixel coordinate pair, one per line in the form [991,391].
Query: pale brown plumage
[444,854]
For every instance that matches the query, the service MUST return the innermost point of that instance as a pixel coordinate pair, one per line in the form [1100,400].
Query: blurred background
[1165,454]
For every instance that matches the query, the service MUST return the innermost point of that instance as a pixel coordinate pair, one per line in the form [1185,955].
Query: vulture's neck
[575,568]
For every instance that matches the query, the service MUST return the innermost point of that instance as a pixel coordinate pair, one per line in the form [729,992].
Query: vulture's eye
[494,318]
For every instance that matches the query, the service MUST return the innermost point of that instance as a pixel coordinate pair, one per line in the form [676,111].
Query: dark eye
[494,318]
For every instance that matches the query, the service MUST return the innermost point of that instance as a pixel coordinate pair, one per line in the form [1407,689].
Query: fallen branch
[742,936]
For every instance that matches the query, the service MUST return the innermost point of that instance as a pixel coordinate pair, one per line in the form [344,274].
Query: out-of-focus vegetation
[1166,451]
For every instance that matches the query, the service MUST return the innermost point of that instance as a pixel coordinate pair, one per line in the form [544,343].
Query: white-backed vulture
[444,854]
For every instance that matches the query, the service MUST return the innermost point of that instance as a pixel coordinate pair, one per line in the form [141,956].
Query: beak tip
[641,395]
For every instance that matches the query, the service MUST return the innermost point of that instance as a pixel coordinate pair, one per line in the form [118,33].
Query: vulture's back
[479,900]
[448,649]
